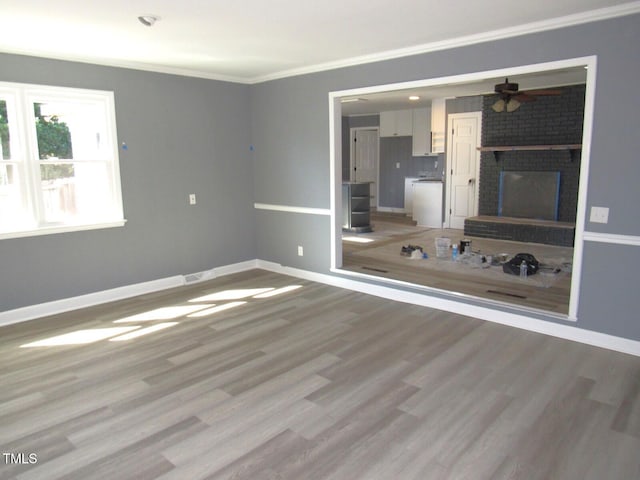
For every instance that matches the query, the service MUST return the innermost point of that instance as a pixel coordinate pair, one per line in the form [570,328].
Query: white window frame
[24,152]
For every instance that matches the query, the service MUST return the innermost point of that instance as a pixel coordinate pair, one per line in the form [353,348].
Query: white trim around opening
[589,63]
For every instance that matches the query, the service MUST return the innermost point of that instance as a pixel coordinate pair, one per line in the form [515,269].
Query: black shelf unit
[356,210]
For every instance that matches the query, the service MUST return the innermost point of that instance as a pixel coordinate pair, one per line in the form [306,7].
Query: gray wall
[399,150]
[290,124]
[192,136]
[184,136]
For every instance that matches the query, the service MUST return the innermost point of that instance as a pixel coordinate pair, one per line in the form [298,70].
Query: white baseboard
[235,268]
[67,304]
[524,322]
[91,299]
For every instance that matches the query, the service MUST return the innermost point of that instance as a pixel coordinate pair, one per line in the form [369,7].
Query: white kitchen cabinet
[427,204]
[421,137]
[438,125]
[396,123]
[408,195]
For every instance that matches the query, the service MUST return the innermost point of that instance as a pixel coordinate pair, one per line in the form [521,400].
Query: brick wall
[548,120]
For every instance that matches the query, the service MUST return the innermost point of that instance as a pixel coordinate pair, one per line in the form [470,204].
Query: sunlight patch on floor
[219,308]
[231,294]
[80,337]
[118,334]
[164,313]
[143,331]
[358,239]
[278,291]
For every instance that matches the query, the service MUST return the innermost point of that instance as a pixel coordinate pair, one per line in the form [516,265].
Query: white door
[364,159]
[463,166]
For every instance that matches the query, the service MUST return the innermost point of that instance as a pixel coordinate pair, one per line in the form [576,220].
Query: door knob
[472,181]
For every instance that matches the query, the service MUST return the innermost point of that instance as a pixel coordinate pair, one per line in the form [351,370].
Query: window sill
[62,229]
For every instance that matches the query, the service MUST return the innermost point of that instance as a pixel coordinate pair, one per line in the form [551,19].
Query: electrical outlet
[192,199]
[300,251]
[599,215]
[397,164]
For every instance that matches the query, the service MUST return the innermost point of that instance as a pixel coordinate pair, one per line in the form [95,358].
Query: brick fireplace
[550,120]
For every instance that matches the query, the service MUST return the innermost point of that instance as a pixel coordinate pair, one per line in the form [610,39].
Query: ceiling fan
[511,98]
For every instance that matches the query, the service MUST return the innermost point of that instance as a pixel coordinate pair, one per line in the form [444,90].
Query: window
[58,160]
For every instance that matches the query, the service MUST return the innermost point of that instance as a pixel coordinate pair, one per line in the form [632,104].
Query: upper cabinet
[425,125]
[421,132]
[396,123]
[429,129]
[438,125]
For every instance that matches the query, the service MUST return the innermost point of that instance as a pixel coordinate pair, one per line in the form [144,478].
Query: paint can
[465,246]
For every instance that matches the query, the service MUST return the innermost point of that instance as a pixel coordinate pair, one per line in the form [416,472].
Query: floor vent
[507,294]
[375,269]
[199,277]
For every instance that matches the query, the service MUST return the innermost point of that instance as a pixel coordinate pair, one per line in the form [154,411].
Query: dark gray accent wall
[290,119]
[184,135]
[548,120]
[553,119]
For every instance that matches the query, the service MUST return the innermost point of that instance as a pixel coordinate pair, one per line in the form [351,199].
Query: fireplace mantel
[570,147]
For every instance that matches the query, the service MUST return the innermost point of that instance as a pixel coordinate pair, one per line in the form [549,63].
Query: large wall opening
[574,208]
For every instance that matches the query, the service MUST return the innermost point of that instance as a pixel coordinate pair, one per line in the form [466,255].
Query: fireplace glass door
[532,195]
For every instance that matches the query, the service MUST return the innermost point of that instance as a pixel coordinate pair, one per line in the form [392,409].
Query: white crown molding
[533,27]
[500,34]
[132,65]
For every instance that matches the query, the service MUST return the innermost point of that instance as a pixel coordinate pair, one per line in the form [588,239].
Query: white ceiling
[399,99]
[254,40]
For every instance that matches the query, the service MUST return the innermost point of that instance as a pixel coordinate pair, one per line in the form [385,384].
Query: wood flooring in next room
[288,379]
[381,257]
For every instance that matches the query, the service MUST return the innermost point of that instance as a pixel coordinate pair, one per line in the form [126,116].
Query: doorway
[463,168]
[364,159]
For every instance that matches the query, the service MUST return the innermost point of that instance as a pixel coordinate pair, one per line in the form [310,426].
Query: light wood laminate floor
[313,383]
[381,258]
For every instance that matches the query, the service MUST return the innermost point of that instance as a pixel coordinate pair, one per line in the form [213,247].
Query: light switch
[397,164]
[599,215]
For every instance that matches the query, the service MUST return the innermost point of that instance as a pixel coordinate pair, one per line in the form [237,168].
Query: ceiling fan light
[513,105]
[498,106]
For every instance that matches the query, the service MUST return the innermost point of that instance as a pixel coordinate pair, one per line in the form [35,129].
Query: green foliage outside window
[4,131]
[54,141]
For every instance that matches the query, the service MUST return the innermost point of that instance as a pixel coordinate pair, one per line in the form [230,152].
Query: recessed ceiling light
[414,98]
[148,20]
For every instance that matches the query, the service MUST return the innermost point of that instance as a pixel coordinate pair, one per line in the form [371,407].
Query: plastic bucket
[442,247]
